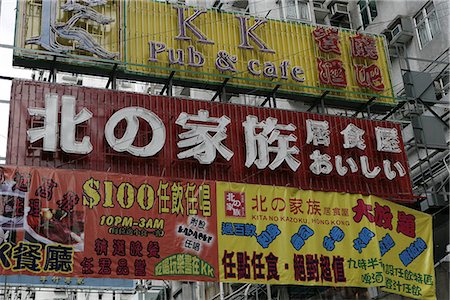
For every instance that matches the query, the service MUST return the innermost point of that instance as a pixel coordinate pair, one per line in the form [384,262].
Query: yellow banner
[280,235]
[278,48]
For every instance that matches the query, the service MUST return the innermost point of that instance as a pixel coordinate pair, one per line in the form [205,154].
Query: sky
[7,22]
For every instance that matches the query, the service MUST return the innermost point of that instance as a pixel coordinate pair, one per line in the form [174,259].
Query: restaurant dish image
[54,225]
[11,211]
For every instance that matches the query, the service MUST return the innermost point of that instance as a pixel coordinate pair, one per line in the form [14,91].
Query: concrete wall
[388,10]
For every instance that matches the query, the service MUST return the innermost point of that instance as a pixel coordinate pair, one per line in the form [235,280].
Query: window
[368,9]
[442,85]
[295,10]
[427,25]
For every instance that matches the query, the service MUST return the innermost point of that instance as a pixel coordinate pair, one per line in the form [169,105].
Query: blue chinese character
[328,243]
[383,247]
[305,232]
[268,236]
[239,229]
[413,251]
[386,244]
[273,230]
[405,258]
[366,235]
[250,230]
[337,234]
[421,245]
[388,241]
[297,241]
[358,244]
[227,228]
[264,239]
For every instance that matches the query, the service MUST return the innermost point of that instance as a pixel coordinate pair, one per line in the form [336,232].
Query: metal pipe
[246,291]
[439,156]
[439,177]
[269,292]
[221,291]
[230,296]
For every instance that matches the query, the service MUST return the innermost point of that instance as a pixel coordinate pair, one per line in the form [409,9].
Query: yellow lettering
[125,195]
[108,194]
[192,201]
[146,196]
[158,223]
[127,222]
[205,197]
[163,197]
[91,195]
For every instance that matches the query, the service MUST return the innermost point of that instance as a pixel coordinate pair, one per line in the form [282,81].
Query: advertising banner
[200,47]
[280,235]
[90,224]
[142,134]
[76,224]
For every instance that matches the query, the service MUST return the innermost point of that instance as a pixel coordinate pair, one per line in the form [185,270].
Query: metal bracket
[320,100]
[6,77]
[271,96]
[221,89]
[394,110]
[433,112]
[364,106]
[52,75]
[112,78]
[168,85]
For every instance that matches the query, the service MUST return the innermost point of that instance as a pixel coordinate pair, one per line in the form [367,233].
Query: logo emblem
[234,204]
[80,38]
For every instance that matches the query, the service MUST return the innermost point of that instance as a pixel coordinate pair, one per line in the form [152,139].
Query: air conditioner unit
[401,31]
[320,10]
[339,9]
[317,4]
[399,35]
[397,31]
[70,78]
[242,4]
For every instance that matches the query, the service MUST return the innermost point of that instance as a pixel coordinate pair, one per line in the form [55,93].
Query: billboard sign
[152,40]
[109,225]
[122,132]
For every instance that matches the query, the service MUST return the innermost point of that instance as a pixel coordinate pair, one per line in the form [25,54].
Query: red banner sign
[83,128]
[141,223]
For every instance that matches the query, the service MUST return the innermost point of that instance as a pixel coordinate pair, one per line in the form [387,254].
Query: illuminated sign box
[107,130]
[149,40]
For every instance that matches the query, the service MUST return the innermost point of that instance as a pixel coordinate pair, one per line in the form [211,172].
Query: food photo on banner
[108,225]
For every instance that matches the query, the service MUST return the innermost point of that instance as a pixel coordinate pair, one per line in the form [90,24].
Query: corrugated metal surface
[103,103]
[290,40]
[136,23]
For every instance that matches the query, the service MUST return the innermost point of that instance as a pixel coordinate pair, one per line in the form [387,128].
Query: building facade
[418,39]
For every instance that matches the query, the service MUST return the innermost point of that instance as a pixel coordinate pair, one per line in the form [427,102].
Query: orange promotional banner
[92,224]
